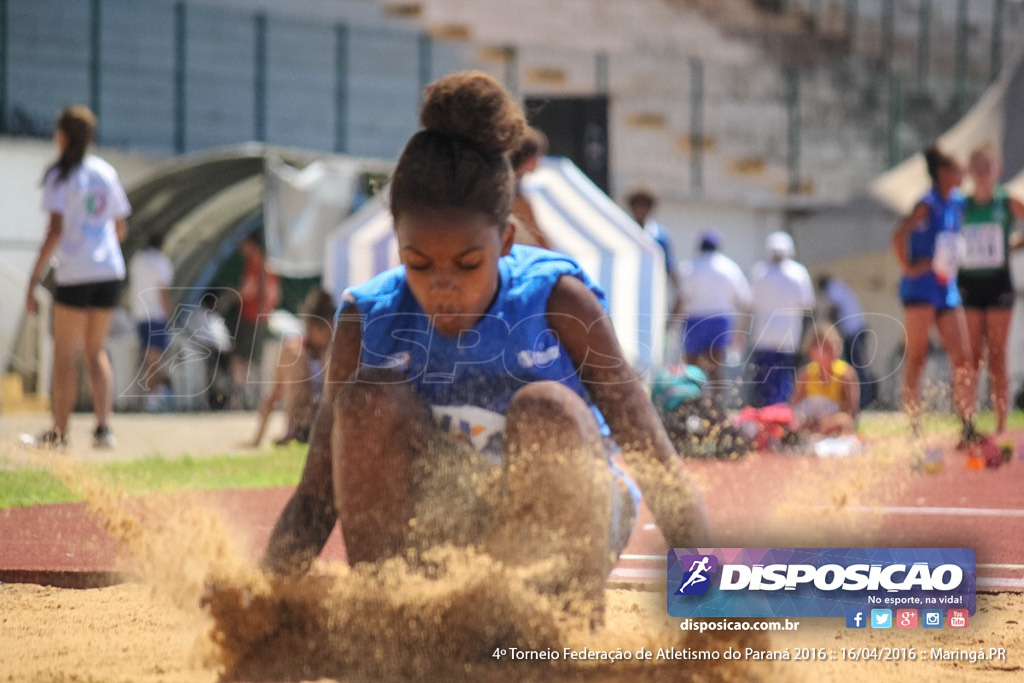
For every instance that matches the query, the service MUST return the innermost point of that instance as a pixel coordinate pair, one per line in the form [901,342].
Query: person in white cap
[783,297]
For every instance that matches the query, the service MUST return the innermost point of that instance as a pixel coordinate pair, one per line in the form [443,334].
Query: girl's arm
[899,243]
[309,517]
[1017,209]
[585,330]
[121,228]
[53,231]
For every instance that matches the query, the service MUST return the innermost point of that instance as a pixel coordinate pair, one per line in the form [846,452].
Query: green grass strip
[22,488]
[280,466]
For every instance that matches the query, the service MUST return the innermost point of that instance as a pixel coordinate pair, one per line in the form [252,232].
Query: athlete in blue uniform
[468,389]
[926,244]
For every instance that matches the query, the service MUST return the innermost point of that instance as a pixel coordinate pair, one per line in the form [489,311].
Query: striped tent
[578,218]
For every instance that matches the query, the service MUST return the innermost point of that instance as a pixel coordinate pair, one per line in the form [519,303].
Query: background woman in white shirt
[87,209]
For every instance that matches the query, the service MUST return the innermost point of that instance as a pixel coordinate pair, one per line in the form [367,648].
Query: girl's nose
[442,282]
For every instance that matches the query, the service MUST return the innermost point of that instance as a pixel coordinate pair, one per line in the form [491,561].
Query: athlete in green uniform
[986,286]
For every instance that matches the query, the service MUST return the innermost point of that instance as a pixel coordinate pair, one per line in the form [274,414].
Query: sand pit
[133,632]
[200,611]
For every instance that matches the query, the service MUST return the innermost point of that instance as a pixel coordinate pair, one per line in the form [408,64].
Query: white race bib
[479,427]
[984,246]
[949,250]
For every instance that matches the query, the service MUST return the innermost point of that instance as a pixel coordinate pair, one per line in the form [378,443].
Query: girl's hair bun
[474,106]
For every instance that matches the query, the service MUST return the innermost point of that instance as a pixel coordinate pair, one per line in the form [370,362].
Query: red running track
[763,500]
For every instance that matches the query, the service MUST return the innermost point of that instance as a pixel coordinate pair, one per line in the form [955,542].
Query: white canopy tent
[578,218]
[995,120]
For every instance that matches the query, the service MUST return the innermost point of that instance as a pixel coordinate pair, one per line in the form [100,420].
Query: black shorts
[105,294]
[986,291]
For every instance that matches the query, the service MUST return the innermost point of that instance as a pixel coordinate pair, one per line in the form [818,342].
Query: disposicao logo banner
[817,582]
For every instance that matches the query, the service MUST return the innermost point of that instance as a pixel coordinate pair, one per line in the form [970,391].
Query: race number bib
[983,246]
[480,428]
[949,250]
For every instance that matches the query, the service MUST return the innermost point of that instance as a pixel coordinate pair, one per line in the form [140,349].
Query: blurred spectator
[845,312]
[783,297]
[525,160]
[207,339]
[927,244]
[825,399]
[299,375]
[150,275]
[641,204]
[985,278]
[260,293]
[87,211]
[714,290]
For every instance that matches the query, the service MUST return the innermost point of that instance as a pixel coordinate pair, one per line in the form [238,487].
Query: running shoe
[49,440]
[970,436]
[103,438]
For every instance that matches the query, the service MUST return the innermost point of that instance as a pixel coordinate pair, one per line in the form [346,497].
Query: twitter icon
[881,618]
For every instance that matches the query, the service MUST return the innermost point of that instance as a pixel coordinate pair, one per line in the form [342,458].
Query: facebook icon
[856,618]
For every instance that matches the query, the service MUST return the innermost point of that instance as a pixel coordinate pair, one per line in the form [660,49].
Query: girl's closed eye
[417,264]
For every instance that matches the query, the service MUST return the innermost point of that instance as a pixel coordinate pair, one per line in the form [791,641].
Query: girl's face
[451,263]
[984,171]
[822,353]
[950,176]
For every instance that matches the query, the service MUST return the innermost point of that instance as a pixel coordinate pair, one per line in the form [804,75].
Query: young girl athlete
[924,244]
[469,387]
[984,278]
[87,209]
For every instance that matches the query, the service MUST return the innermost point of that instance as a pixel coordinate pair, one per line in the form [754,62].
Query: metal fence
[862,85]
[178,77]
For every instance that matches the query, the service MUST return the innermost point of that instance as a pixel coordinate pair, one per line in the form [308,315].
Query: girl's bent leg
[380,425]
[556,501]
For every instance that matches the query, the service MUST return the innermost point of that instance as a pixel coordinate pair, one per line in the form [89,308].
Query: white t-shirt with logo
[89,201]
[149,272]
[782,295]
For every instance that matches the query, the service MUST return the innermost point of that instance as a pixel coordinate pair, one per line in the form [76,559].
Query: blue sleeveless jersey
[944,215]
[469,380]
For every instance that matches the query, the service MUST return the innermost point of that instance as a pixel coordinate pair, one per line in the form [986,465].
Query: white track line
[939,511]
[1000,584]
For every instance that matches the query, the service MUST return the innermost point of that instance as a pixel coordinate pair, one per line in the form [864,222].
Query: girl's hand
[918,268]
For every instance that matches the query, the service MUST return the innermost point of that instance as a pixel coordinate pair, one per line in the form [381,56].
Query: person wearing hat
[783,298]
[714,291]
